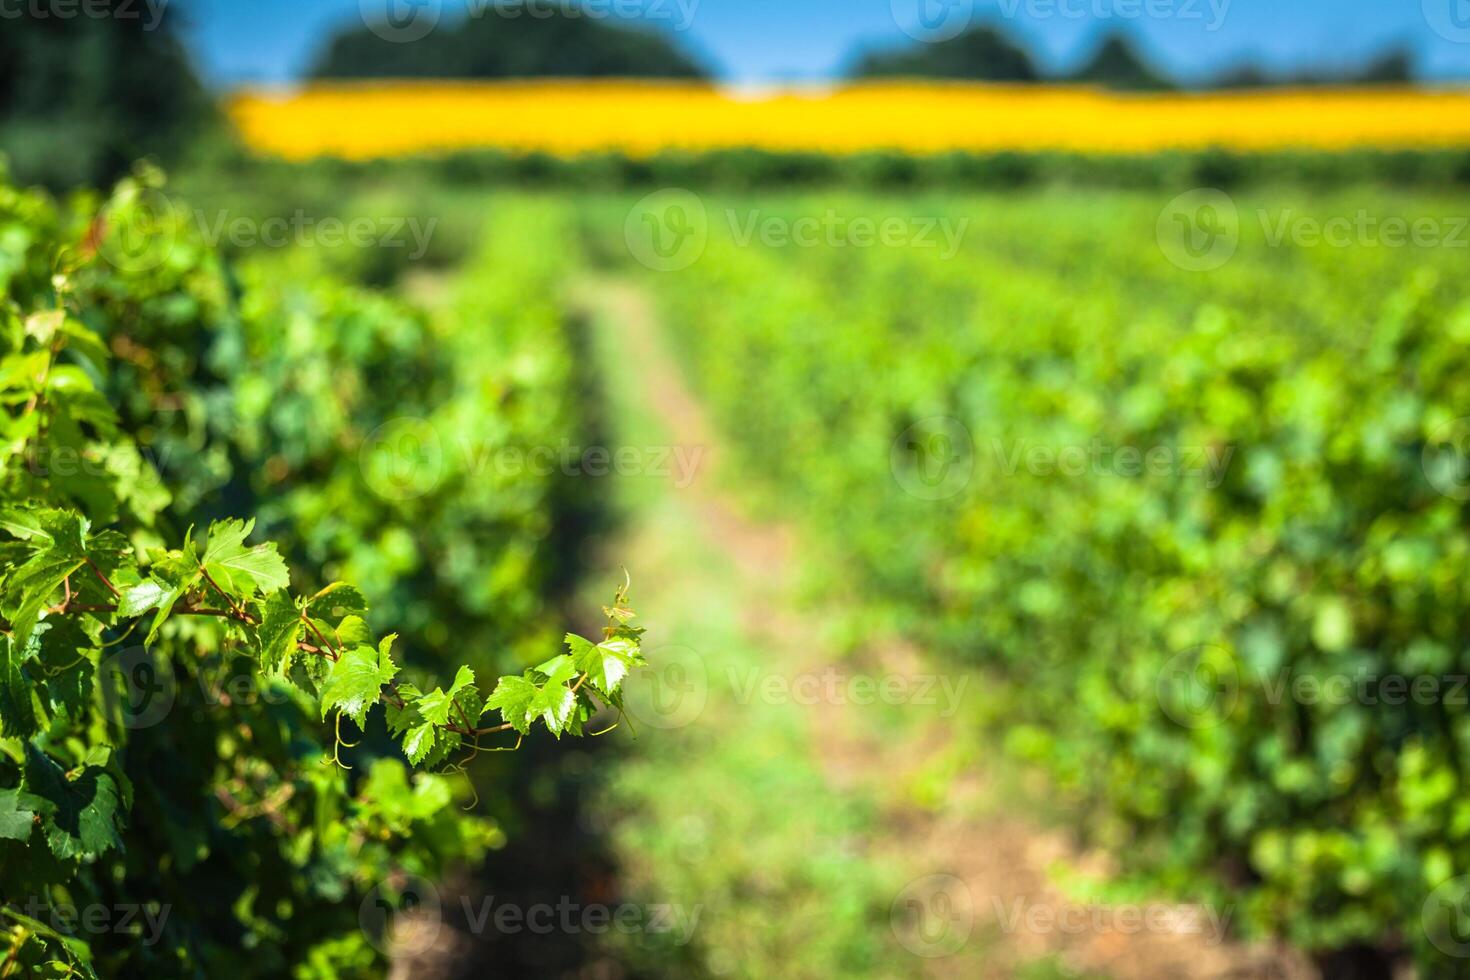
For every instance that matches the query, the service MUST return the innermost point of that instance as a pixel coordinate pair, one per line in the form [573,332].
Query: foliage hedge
[750,169]
[1143,623]
[152,397]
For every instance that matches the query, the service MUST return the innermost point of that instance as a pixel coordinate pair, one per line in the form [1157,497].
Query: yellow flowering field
[364,120]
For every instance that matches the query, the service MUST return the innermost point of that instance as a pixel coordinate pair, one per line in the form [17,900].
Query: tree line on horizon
[582,47]
[985,53]
[74,109]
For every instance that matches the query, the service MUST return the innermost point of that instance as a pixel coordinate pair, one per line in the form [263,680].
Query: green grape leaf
[80,815]
[138,599]
[34,583]
[43,325]
[606,663]
[513,697]
[420,741]
[554,703]
[240,570]
[435,706]
[280,631]
[67,531]
[68,670]
[356,681]
[17,711]
[351,631]
[338,601]
[401,719]
[83,340]
[558,670]
[176,574]
[17,814]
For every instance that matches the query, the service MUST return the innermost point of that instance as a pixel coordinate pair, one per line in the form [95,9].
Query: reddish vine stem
[105,580]
[240,614]
[331,653]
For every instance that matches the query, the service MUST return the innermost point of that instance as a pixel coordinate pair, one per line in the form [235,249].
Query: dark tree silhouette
[1393,67]
[980,54]
[497,46]
[1117,64]
[82,97]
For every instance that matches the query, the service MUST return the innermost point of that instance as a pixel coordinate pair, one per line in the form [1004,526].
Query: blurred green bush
[361,431]
[1158,629]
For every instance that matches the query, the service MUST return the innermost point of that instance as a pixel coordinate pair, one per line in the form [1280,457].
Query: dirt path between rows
[981,869]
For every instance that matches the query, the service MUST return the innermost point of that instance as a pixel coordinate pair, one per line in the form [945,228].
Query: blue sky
[765,41]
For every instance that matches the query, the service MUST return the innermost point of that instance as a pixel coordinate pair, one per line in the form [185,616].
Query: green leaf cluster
[128,773]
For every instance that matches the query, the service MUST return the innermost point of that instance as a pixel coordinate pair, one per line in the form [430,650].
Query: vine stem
[240,614]
[330,654]
[14,952]
[105,580]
